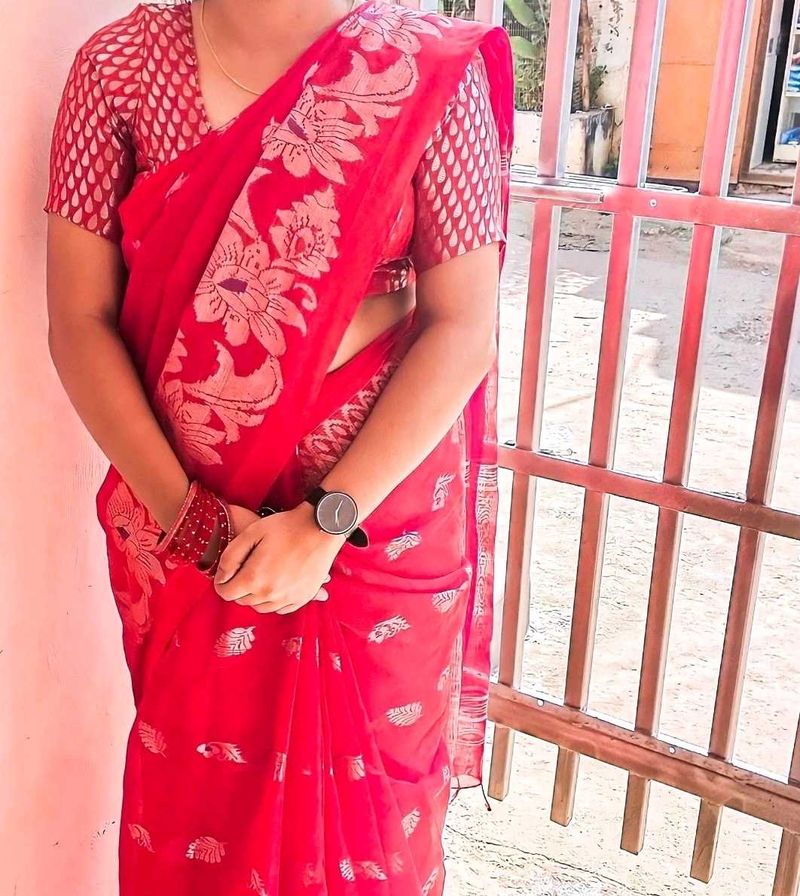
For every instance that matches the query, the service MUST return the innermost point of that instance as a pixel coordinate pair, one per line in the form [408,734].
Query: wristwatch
[337,514]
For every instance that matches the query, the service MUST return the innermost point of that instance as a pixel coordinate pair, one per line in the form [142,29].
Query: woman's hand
[279,563]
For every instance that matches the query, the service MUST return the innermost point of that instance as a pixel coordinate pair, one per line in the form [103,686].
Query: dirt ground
[515,849]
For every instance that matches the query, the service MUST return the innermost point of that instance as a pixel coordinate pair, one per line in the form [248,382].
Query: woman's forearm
[104,387]
[418,405]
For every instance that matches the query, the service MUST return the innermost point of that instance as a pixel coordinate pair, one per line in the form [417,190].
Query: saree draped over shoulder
[310,753]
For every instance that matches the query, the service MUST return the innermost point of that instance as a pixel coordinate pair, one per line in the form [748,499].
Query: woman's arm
[456,308]
[85,280]
[277,564]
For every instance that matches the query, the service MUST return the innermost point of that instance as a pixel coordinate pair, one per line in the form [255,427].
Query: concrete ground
[515,849]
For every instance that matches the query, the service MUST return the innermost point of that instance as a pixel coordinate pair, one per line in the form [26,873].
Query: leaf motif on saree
[396,863]
[238,400]
[369,870]
[346,870]
[136,535]
[429,883]
[257,884]
[411,821]
[315,135]
[206,849]
[405,715]
[374,95]
[336,661]
[445,600]
[306,237]
[235,641]
[356,768]
[388,629]
[241,289]
[393,26]
[141,836]
[441,490]
[152,739]
[444,676]
[402,543]
[225,752]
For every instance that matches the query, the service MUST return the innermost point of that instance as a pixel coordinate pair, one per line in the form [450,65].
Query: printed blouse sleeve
[91,158]
[457,186]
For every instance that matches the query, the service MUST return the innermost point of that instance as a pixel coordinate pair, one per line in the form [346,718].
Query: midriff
[374,315]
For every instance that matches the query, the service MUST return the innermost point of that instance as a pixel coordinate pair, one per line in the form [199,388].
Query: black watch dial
[336,513]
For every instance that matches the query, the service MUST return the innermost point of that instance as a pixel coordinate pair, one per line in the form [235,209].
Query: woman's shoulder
[113,59]
[119,43]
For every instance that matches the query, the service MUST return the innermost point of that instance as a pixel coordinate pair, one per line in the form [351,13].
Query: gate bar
[634,149]
[787,872]
[744,589]
[704,254]
[718,507]
[561,45]
[672,764]
[665,204]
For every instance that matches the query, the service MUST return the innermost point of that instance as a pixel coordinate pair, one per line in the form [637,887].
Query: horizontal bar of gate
[662,204]
[655,758]
[709,505]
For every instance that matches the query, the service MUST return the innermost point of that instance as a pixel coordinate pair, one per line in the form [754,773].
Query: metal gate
[645,755]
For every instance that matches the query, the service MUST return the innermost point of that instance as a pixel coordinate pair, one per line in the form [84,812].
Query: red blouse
[132,102]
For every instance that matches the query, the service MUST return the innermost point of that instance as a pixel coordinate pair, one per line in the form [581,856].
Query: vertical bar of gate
[787,872]
[749,551]
[639,104]
[714,177]
[561,45]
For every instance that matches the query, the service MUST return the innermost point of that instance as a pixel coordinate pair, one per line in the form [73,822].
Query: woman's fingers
[276,605]
[232,560]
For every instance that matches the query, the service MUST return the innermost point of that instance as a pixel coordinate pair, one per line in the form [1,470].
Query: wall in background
[65,704]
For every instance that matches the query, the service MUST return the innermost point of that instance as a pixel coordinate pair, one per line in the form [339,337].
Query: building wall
[613,28]
[691,32]
[64,698]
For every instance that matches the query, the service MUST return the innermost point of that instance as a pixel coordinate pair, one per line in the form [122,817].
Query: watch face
[337,513]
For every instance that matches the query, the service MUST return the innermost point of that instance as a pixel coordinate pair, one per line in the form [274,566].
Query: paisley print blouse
[132,102]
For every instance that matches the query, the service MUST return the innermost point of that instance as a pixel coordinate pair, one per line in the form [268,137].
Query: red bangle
[201,515]
[168,537]
[225,537]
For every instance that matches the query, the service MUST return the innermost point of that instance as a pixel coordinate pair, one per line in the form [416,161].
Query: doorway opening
[775,124]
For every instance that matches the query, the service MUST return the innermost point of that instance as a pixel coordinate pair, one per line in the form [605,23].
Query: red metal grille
[646,756]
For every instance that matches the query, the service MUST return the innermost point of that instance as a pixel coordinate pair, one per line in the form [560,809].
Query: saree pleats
[312,753]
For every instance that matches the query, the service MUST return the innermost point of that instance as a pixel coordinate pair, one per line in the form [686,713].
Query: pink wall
[64,697]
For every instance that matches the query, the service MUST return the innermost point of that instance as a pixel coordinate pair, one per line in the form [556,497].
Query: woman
[275,235]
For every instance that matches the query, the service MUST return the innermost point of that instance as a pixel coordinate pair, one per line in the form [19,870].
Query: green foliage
[459,9]
[527,24]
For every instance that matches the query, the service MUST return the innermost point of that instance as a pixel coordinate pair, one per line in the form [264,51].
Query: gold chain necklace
[214,53]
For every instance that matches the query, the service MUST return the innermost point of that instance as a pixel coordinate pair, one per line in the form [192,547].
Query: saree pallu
[311,753]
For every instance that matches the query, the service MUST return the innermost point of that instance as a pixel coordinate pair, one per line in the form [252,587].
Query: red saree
[311,753]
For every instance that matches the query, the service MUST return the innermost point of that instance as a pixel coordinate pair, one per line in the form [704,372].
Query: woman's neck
[247,26]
